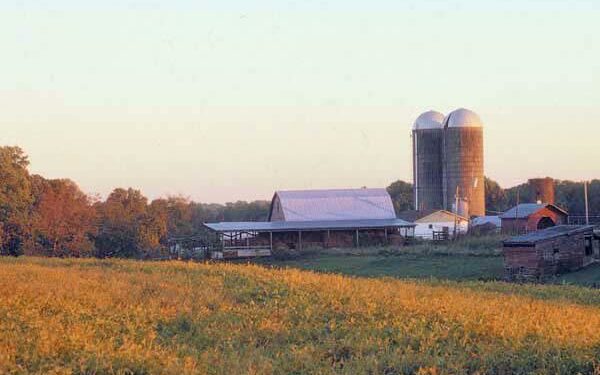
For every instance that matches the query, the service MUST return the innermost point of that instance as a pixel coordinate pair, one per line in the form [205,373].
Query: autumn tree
[63,220]
[128,227]
[15,200]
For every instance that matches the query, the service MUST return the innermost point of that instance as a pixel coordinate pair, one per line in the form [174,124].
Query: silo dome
[429,120]
[462,118]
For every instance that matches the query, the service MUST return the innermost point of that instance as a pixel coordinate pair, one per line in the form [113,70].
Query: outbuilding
[529,217]
[545,253]
[435,224]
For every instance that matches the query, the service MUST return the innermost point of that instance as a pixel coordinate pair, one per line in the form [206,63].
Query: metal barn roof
[336,204]
[483,220]
[527,209]
[285,226]
[549,233]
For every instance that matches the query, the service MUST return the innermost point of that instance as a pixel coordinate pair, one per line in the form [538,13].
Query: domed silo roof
[462,118]
[429,120]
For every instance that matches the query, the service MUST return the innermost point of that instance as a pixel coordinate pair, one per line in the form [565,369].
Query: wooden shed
[545,253]
[530,217]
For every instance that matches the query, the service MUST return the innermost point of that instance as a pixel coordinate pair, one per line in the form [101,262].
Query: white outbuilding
[435,224]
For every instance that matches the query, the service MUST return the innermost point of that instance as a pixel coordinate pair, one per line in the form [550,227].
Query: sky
[230,100]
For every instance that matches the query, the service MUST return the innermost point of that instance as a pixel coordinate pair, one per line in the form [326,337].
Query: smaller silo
[427,161]
[542,190]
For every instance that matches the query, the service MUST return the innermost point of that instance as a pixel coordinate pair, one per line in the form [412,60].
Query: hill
[92,316]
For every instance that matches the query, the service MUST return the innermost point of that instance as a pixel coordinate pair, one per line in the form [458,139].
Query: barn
[528,217]
[300,219]
[435,224]
[542,254]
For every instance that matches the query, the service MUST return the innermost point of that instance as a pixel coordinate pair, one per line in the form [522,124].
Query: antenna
[587,211]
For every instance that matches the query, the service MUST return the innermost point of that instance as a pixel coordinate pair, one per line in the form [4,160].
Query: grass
[128,317]
[408,265]
[469,259]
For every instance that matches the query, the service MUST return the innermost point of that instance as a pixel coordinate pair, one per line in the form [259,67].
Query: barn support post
[328,238]
[357,242]
[299,240]
[271,241]
[386,236]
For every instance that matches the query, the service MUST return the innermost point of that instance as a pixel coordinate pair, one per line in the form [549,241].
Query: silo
[463,161]
[542,190]
[427,161]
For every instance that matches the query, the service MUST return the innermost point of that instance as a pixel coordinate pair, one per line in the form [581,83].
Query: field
[128,317]
[466,260]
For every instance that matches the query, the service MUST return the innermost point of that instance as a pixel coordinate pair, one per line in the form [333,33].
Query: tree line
[53,217]
[568,194]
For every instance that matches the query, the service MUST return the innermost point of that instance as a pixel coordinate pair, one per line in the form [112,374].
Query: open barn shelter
[302,219]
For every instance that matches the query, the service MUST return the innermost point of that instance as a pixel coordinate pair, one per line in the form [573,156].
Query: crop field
[128,317]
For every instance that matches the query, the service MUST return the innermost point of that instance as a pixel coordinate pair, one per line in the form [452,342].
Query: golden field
[128,317]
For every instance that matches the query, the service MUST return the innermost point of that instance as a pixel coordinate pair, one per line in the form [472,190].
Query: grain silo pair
[448,162]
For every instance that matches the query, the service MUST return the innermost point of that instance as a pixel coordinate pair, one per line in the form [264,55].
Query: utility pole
[517,213]
[455,211]
[587,211]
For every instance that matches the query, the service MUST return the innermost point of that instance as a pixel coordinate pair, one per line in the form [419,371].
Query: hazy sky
[225,100]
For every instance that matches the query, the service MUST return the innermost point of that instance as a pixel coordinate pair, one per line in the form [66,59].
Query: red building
[530,217]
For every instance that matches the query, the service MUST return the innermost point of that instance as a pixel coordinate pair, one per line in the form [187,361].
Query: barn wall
[513,226]
[423,231]
[533,220]
[521,263]
[277,210]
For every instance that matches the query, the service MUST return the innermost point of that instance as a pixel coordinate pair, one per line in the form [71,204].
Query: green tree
[496,199]
[402,195]
[15,200]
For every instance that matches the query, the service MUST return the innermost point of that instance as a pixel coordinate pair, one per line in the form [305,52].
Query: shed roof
[524,210]
[549,233]
[286,226]
[335,204]
[490,219]
[421,215]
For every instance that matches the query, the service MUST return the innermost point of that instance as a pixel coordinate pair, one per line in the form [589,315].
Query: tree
[15,200]
[402,195]
[496,200]
[63,220]
[128,227]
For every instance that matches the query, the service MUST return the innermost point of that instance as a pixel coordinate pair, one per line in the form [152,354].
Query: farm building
[485,225]
[528,217]
[435,224]
[316,218]
[545,253]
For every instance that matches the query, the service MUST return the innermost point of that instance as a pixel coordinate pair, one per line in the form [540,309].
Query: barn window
[430,226]
[589,248]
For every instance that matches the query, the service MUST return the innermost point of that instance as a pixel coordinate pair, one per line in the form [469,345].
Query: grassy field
[127,317]
[467,260]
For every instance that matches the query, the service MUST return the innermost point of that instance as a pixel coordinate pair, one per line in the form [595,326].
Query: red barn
[530,217]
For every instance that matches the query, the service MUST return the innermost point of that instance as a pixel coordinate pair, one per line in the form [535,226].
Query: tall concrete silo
[427,161]
[542,190]
[463,161]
